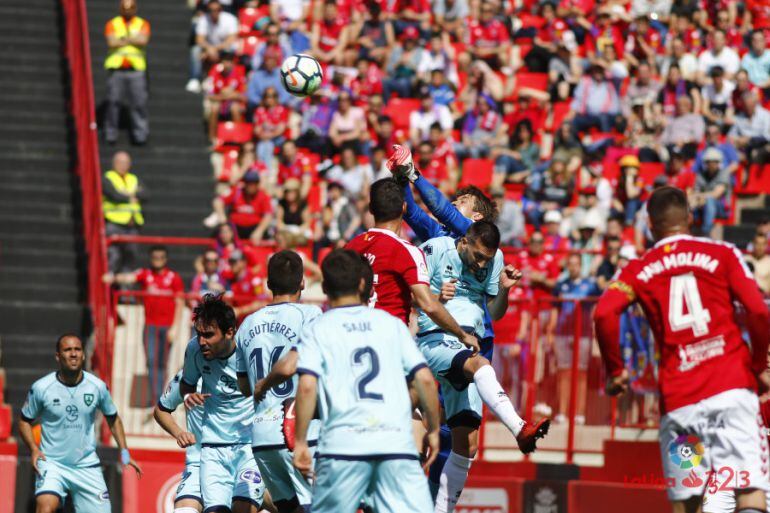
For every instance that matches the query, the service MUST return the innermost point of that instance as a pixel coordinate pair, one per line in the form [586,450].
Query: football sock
[496,399]
[452,482]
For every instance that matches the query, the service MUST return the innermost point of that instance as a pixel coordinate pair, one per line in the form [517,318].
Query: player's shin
[493,395]
[452,482]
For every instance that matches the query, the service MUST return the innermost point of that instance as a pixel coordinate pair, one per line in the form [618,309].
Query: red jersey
[760,13]
[159,308]
[330,34]
[272,117]
[363,87]
[435,172]
[397,266]
[245,288]
[544,263]
[444,152]
[245,211]
[297,169]
[683,180]
[416,6]
[556,244]
[552,32]
[235,79]
[686,287]
[489,35]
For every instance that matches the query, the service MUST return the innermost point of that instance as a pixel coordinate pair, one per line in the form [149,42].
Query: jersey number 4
[366,357]
[255,357]
[685,308]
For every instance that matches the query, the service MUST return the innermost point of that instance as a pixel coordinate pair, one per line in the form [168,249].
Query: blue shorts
[446,356]
[288,488]
[86,486]
[390,485]
[190,485]
[230,474]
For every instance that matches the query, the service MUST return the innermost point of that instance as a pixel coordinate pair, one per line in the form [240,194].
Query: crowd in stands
[567,113]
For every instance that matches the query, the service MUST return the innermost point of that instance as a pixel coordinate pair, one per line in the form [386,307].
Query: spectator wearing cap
[510,218]
[264,77]
[292,213]
[595,102]
[348,125]
[718,98]
[214,31]
[757,61]
[225,98]
[271,121]
[340,219]
[482,129]
[249,208]
[730,157]
[514,165]
[429,113]
[712,191]
[587,206]
[126,63]
[488,38]
[718,55]
[377,37]
[751,131]
[630,190]
[685,130]
[353,175]
[293,166]
[759,261]
[122,197]
[589,242]
[208,279]
[553,240]
[405,58]
[329,36]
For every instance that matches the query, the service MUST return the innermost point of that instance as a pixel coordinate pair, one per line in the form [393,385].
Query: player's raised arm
[618,296]
[745,290]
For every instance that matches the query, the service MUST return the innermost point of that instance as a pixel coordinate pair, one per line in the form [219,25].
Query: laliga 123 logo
[686,451]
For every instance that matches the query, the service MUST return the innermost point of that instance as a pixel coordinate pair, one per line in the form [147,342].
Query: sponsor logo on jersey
[72,413]
[104,496]
[686,451]
[250,476]
[694,354]
[88,399]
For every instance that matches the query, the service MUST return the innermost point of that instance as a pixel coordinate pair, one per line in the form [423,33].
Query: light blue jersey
[265,337]
[362,358]
[66,415]
[170,401]
[227,413]
[473,289]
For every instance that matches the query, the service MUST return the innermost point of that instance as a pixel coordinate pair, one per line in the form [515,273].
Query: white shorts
[718,442]
[722,501]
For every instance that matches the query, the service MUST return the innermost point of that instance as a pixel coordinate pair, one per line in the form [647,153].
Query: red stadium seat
[538,81]
[230,132]
[399,110]
[758,181]
[477,172]
[248,45]
[649,170]
[247,17]
[5,421]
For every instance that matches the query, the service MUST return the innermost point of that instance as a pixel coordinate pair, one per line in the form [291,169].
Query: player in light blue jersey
[469,274]
[230,479]
[355,364]
[188,495]
[262,340]
[65,403]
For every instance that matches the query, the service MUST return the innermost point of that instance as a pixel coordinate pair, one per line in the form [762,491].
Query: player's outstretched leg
[492,394]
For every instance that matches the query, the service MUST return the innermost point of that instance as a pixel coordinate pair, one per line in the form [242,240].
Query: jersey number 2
[373,369]
[683,292]
[284,388]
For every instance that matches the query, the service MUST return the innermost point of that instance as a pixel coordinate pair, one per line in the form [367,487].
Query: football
[301,75]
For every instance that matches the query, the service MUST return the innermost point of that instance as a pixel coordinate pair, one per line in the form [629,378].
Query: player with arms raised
[400,272]
[708,376]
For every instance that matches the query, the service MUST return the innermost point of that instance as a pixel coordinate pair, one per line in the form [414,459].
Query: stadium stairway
[174,164]
[752,211]
[41,257]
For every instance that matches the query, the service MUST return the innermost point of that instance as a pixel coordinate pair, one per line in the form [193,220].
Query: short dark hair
[342,273]
[481,202]
[368,275]
[67,335]
[485,232]
[284,272]
[664,201]
[157,247]
[386,200]
[213,310]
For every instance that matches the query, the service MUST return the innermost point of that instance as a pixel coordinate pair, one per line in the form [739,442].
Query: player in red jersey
[400,272]
[708,376]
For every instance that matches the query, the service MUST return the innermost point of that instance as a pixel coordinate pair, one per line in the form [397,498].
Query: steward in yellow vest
[129,37]
[121,192]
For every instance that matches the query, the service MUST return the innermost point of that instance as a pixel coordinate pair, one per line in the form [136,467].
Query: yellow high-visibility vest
[122,213]
[133,55]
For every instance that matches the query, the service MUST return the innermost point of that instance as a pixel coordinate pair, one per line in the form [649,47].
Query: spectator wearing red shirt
[330,35]
[431,168]
[250,208]
[246,286]
[444,152]
[271,120]
[604,33]
[757,15]
[292,165]
[413,13]
[163,306]
[678,174]
[547,39]
[643,43]
[488,38]
[226,92]
[367,82]
[540,269]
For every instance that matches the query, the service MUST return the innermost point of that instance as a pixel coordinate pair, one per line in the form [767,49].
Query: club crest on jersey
[88,399]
